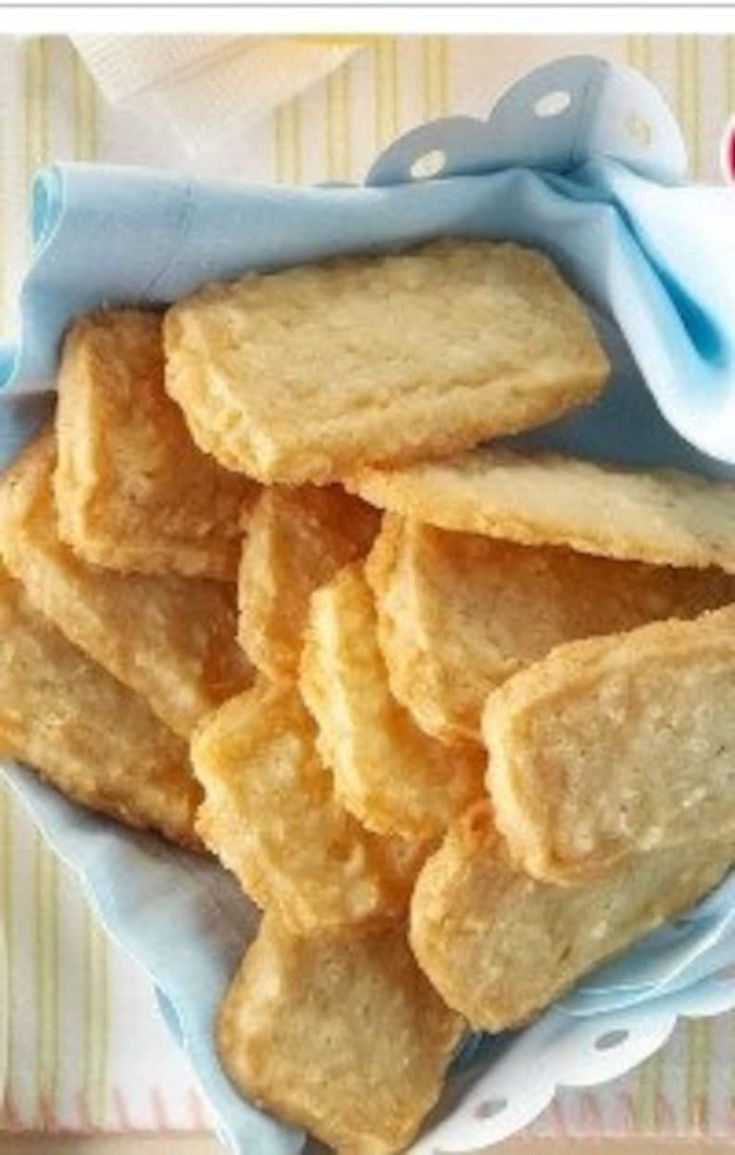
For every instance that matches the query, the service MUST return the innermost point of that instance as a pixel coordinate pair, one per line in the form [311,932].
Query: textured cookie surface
[135,493]
[83,731]
[347,1039]
[302,375]
[667,517]
[459,613]
[271,816]
[616,745]
[499,946]
[170,638]
[394,777]
[297,539]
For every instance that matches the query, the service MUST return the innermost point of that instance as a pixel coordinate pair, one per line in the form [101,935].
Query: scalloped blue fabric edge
[650,255]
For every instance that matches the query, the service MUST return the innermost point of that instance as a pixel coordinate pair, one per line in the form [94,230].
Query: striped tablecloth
[85,1049]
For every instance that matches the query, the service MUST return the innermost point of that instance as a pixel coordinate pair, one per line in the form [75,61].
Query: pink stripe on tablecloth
[158,1109]
[121,1109]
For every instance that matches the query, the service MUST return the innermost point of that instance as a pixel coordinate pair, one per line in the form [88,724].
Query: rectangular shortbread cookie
[348,1038]
[665,516]
[459,613]
[305,374]
[135,494]
[616,745]
[170,638]
[499,946]
[85,732]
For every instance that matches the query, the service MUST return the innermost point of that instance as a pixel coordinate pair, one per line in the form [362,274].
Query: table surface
[65,980]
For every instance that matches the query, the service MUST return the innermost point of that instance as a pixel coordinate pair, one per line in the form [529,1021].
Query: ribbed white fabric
[203,85]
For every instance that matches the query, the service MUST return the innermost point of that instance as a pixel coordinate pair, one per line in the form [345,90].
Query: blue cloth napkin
[655,266]
[655,263]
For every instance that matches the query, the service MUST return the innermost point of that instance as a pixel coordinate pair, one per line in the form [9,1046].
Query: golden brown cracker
[395,778]
[271,816]
[134,492]
[303,374]
[459,613]
[297,540]
[616,745]
[170,638]
[346,1039]
[499,946]
[83,731]
[665,516]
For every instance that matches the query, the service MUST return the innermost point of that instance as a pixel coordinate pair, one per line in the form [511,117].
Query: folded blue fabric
[654,263]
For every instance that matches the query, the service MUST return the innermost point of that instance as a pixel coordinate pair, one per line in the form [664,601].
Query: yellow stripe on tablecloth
[688,96]
[288,143]
[696,88]
[435,84]
[386,81]
[729,50]
[34,100]
[379,98]
[54,964]
[278,144]
[632,51]
[345,106]
[97,1086]
[39,864]
[681,89]
[438,68]
[445,76]
[345,81]
[89,1014]
[96,1019]
[698,1070]
[394,73]
[435,76]
[647,1093]
[281,143]
[105,996]
[47,929]
[85,112]
[330,131]
[337,98]
[427,95]
[295,143]
[731,1048]
[639,54]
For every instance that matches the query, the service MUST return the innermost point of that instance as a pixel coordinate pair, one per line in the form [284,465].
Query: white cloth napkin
[201,84]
